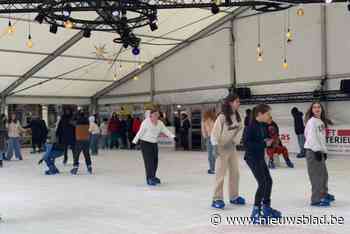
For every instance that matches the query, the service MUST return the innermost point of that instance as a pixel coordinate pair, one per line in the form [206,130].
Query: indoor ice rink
[174,116]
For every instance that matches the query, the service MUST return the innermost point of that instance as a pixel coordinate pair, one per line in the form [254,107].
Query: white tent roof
[78,71]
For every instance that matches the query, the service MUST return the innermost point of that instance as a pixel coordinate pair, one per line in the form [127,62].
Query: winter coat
[66,130]
[3,134]
[299,126]
[114,126]
[38,129]
[254,141]
[136,126]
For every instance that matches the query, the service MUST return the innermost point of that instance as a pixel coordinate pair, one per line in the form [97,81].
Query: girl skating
[316,155]
[223,137]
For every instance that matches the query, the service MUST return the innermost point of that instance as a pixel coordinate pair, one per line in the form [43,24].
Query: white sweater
[150,132]
[315,135]
[93,128]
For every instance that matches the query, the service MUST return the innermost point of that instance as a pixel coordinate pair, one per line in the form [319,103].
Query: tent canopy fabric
[87,66]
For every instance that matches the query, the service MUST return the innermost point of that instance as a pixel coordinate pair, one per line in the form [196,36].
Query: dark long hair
[227,109]
[309,114]
[261,108]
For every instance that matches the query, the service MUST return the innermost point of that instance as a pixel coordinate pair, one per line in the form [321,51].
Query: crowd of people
[84,134]
[260,137]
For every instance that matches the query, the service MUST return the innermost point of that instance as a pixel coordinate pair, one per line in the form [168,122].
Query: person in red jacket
[136,124]
[114,130]
[276,147]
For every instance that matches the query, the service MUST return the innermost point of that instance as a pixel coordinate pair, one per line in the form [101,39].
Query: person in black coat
[185,129]
[66,133]
[299,128]
[39,133]
[255,141]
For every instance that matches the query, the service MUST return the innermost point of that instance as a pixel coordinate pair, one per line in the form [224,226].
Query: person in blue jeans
[53,151]
[14,131]
[3,138]
[209,118]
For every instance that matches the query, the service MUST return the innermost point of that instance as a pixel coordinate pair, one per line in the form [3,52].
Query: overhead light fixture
[11,29]
[289,35]
[29,42]
[39,18]
[300,12]
[139,66]
[53,28]
[67,10]
[87,33]
[136,78]
[153,22]
[136,51]
[215,9]
[68,24]
[328,1]
[116,13]
[285,64]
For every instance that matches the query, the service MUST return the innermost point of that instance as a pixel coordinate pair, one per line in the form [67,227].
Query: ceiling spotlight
[67,11]
[135,51]
[215,9]
[87,33]
[115,13]
[53,28]
[39,18]
[153,26]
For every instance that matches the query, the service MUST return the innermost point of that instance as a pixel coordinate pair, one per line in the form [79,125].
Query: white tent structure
[202,70]
[67,68]
[193,58]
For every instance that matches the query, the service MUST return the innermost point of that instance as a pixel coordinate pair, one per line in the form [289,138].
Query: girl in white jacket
[316,154]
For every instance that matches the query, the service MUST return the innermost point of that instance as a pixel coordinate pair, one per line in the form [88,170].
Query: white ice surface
[115,200]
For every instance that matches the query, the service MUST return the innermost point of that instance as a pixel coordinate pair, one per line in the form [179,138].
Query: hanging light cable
[11,28]
[29,41]
[289,31]
[285,63]
[259,48]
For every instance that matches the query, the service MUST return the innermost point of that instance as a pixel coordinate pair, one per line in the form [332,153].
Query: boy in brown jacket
[82,143]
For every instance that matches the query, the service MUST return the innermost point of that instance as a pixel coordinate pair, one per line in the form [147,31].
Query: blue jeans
[51,155]
[94,143]
[104,141]
[301,141]
[14,145]
[211,156]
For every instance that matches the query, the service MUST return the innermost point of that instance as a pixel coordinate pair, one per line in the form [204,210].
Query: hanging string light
[285,63]
[11,28]
[259,48]
[29,41]
[136,78]
[289,34]
[300,11]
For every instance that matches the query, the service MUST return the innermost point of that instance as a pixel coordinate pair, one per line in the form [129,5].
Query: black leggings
[82,146]
[150,158]
[263,177]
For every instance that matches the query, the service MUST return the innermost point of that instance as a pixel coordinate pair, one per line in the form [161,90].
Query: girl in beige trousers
[223,136]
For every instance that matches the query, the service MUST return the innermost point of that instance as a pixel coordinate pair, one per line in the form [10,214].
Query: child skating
[255,142]
[316,155]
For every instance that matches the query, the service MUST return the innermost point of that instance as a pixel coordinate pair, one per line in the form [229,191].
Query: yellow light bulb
[30,43]
[285,65]
[136,78]
[115,77]
[260,58]
[300,12]
[259,49]
[11,29]
[68,24]
[139,66]
[289,35]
